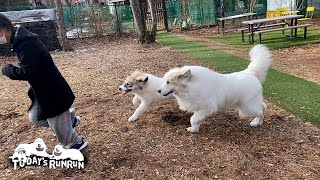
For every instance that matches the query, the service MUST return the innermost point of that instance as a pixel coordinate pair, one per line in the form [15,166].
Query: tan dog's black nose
[159,91]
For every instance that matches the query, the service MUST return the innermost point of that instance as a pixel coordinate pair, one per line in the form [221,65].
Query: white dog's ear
[184,78]
[144,80]
[178,66]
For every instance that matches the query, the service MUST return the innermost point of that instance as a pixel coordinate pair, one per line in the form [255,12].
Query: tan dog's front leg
[136,100]
[143,107]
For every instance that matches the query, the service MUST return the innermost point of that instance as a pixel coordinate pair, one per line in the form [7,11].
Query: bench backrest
[309,12]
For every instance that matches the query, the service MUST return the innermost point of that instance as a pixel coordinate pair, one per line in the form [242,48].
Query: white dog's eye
[167,82]
[128,84]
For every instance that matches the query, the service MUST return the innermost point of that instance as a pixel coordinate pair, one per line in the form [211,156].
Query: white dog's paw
[132,119]
[256,122]
[192,129]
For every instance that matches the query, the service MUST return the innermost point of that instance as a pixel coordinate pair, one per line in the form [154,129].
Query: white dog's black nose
[119,89]
[159,91]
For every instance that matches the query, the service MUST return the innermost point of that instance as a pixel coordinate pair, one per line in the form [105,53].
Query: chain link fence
[233,7]
[184,14]
[316,5]
[85,21]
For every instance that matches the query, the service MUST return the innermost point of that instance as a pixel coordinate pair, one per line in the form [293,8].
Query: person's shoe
[76,121]
[72,112]
[81,145]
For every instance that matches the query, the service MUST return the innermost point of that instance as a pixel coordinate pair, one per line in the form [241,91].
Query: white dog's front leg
[136,101]
[196,120]
[258,121]
[141,109]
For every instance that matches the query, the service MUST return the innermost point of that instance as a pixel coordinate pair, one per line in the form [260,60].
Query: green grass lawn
[273,40]
[296,95]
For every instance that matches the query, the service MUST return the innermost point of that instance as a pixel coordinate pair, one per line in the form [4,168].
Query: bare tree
[299,4]
[138,19]
[252,3]
[61,28]
[153,32]
[144,35]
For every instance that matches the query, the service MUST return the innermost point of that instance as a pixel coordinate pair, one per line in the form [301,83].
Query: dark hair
[5,22]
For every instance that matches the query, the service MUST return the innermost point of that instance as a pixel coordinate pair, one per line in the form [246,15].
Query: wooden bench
[264,26]
[282,29]
[233,18]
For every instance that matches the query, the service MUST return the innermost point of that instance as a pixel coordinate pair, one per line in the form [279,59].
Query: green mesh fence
[92,20]
[233,7]
[185,14]
[315,4]
[99,19]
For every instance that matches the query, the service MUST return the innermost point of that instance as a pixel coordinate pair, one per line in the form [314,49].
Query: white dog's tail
[260,58]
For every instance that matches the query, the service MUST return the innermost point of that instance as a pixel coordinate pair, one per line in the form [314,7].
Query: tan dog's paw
[132,119]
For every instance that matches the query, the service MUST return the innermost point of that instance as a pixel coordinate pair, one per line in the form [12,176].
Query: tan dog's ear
[144,80]
[184,77]
[137,71]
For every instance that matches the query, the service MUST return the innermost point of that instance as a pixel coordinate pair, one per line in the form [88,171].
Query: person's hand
[6,68]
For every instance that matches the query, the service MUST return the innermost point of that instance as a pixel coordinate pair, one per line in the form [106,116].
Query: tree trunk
[61,28]
[139,20]
[153,32]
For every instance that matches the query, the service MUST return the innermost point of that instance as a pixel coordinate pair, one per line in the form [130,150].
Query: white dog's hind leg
[143,107]
[136,101]
[255,108]
[196,120]
[258,121]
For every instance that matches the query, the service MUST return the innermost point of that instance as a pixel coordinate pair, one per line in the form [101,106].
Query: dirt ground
[157,146]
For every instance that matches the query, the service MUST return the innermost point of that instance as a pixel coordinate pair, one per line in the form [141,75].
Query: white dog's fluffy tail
[260,58]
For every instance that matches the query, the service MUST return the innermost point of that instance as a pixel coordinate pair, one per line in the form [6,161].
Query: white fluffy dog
[204,92]
[144,86]
[37,148]
[40,148]
[59,153]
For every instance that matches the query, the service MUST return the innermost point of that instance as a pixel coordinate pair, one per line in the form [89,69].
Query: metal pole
[222,14]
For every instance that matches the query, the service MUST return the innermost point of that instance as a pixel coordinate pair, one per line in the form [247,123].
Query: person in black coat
[49,92]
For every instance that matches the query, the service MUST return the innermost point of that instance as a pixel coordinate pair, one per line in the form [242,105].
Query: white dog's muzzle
[165,89]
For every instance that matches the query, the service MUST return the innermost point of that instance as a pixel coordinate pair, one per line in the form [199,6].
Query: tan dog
[144,86]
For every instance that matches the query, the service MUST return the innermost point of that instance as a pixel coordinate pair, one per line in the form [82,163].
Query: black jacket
[48,87]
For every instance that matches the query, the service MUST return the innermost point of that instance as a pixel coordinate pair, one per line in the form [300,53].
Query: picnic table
[223,19]
[254,25]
